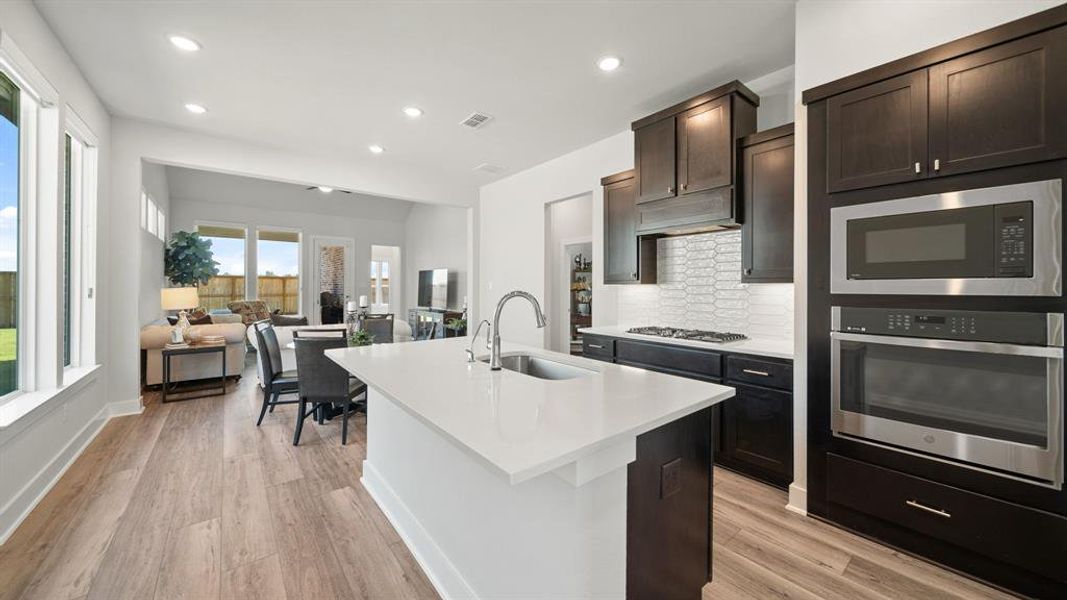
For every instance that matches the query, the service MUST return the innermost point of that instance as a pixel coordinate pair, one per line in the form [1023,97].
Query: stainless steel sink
[542,368]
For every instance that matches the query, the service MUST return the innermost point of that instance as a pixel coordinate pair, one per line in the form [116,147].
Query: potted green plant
[360,337]
[457,326]
[188,260]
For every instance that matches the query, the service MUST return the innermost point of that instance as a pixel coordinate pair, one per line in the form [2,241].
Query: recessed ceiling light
[375,148]
[196,109]
[325,189]
[609,63]
[413,111]
[183,43]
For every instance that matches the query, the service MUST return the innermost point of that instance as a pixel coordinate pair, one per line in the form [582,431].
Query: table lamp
[179,299]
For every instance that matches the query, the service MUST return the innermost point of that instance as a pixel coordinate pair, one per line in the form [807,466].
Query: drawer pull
[929,509]
[597,346]
[754,372]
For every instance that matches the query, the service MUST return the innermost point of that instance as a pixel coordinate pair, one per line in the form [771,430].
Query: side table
[168,353]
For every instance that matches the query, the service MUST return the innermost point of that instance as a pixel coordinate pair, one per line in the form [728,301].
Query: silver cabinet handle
[918,167]
[929,509]
[597,346]
[634,274]
[684,186]
[754,372]
[937,164]
[670,189]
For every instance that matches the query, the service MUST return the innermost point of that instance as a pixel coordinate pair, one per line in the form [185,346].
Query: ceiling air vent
[487,167]
[476,120]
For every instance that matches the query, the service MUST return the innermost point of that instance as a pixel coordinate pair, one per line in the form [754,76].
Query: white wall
[835,39]
[566,221]
[36,449]
[154,179]
[435,238]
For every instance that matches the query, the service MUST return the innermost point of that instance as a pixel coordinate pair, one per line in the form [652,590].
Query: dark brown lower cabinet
[668,511]
[757,434]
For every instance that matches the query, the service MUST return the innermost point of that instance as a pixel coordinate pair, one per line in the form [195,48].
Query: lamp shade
[179,298]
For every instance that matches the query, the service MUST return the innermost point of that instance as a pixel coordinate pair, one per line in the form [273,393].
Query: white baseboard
[22,504]
[444,576]
[798,499]
[123,408]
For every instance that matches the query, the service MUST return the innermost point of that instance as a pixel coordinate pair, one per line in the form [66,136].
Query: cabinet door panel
[654,161]
[877,134]
[757,427]
[705,148]
[767,212]
[1002,106]
[620,232]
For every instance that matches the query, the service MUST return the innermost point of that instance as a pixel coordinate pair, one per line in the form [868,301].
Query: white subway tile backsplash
[700,287]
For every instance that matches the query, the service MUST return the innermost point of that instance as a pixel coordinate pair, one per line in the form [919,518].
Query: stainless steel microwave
[998,241]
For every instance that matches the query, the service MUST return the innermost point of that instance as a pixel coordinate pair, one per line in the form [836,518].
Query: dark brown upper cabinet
[996,107]
[1003,106]
[627,258]
[654,148]
[767,206]
[685,160]
[876,135]
[705,141]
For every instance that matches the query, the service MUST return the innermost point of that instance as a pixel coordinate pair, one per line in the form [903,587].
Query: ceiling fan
[325,189]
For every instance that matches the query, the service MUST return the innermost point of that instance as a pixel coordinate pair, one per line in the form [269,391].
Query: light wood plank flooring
[191,500]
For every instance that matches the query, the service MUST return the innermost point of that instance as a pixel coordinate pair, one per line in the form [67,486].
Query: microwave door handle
[956,345]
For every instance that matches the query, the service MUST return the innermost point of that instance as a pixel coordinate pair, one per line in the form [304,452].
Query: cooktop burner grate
[697,335]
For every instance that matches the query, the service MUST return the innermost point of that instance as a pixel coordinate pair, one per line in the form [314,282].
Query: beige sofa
[191,367]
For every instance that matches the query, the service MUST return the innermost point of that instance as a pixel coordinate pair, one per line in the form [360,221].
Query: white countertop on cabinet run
[756,346]
[520,425]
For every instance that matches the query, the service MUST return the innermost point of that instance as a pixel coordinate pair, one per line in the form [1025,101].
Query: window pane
[9,234]
[67,213]
[278,273]
[228,249]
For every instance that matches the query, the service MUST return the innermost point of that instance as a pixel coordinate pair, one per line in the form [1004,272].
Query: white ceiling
[328,78]
[208,186]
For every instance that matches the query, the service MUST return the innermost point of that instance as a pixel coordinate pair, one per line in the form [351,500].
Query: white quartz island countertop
[754,346]
[519,425]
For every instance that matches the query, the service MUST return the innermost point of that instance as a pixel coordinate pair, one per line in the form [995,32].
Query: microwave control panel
[1006,327]
[1015,239]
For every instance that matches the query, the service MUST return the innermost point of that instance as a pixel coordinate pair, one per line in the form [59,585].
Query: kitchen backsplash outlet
[700,287]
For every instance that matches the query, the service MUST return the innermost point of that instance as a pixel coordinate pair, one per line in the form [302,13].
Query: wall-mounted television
[433,288]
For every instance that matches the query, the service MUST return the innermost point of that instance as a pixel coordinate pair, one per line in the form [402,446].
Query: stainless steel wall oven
[979,389]
[999,241]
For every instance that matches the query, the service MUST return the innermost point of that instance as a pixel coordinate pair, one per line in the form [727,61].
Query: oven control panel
[1014,239]
[1006,327]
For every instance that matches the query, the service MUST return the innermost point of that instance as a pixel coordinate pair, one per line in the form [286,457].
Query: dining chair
[379,326]
[275,381]
[432,333]
[323,383]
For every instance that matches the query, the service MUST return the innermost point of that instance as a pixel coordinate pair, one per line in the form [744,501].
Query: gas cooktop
[696,335]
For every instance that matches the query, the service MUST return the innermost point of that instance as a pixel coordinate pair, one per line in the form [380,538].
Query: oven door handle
[959,346]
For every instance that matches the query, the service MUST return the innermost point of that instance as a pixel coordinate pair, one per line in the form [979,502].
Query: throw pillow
[193,320]
[286,320]
[250,310]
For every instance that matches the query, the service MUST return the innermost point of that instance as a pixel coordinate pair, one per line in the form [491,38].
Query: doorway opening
[568,272]
[334,272]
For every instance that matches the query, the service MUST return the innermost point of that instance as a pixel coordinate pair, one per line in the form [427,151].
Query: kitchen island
[572,479]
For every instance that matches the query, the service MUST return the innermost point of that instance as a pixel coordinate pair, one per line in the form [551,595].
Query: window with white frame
[384,266]
[79,243]
[10,238]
